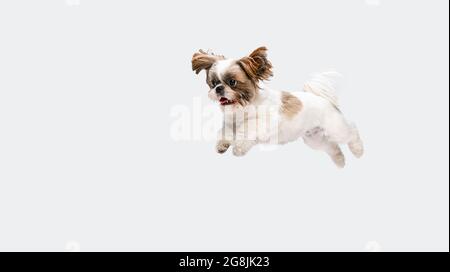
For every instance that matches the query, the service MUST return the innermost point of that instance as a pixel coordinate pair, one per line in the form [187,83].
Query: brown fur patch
[256,65]
[235,72]
[290,104]
[203,60]
[246,89]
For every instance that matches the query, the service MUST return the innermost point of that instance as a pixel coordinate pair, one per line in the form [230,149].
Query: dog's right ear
[203,60]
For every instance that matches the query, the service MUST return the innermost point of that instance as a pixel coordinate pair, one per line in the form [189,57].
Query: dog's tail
[324,85]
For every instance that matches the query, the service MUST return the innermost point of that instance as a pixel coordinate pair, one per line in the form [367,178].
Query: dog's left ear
[256,65]
[203,60]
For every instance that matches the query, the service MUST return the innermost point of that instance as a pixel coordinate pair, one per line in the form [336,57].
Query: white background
[88,161]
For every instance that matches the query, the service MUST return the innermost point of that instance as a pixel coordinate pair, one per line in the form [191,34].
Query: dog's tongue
[223,100]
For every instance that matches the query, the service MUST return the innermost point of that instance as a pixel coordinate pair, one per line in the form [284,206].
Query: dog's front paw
[222,146]
[239,151]
[241,148]
[339,160]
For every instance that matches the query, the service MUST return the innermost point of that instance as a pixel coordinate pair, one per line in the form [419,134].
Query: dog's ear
[204,60]
[256,65]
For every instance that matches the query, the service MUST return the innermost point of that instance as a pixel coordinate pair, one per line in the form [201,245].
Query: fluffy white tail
[324,85]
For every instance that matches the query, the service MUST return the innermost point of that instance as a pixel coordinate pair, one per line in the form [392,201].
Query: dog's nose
[220,90]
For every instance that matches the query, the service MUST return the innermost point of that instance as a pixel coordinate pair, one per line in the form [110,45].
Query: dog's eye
[232,83]
[214,83]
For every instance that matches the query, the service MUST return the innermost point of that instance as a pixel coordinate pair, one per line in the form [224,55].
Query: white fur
[222,66]
[319,123]
[323,85]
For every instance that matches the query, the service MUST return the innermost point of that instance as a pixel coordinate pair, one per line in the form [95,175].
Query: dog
[255,114]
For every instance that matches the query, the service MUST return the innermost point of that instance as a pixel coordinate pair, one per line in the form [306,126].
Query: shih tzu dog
[255,114]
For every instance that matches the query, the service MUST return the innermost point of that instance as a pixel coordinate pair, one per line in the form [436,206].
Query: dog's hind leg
[355,144]
[316,139]
[341,131]
[335,153]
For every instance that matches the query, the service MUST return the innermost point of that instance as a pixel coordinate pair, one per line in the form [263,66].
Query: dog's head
[233,81]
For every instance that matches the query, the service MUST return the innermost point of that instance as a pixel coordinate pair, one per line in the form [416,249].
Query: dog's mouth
[225,101]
